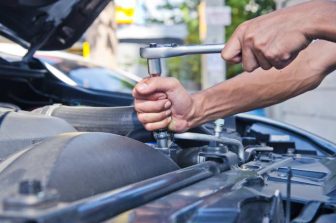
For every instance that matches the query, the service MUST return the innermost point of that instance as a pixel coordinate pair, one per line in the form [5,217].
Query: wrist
[325,62]
[197,111]
[321,24]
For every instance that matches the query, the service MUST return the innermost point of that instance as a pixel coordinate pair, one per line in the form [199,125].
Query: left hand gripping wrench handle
[153,53]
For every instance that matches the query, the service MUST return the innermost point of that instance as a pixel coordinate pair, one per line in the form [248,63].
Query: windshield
[91,76]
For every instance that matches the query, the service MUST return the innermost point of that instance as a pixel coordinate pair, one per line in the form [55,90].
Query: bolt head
[219,122]
[30,187]
[153,45]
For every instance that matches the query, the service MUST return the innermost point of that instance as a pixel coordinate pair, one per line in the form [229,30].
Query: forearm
[322,20]
[263,88]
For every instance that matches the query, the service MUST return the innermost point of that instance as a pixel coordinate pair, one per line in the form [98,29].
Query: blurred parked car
[76,70]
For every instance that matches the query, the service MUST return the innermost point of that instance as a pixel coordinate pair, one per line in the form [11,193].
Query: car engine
[84,164]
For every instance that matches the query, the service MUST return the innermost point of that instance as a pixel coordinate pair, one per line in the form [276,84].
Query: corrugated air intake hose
[117,120]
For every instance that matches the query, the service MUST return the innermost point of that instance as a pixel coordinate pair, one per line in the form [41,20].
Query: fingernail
[167,105]
[142,86]
[168,112]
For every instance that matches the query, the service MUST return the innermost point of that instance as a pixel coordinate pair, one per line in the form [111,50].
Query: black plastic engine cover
[80,165]
[21,129]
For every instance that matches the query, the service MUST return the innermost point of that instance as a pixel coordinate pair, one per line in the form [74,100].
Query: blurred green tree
[243,10]
[186,69]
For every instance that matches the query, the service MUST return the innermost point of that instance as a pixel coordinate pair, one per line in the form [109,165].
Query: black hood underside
[47,24]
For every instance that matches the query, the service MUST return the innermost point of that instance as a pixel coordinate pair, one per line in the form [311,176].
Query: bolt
[153,45]
[30,187]
[219,124]
[290,151]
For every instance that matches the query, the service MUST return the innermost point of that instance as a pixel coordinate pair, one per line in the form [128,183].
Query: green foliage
[243,10]
[189,68]
[186,68]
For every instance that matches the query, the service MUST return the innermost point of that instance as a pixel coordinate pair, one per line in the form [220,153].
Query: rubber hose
[117,120]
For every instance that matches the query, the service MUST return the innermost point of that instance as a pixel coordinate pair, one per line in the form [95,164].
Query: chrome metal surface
[154,67]
[165,51]
[210,138]
[252,150]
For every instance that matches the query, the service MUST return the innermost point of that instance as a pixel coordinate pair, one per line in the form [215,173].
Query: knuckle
[272,55]
[260,44]
[162,115]
[139,107]
[250,68]
[136,106]
[174,81]
[286,57]
[224,56]
[243,26]
[161,107]
[268,55]
[142,118]
[167,121]
[149,127]
[249,37]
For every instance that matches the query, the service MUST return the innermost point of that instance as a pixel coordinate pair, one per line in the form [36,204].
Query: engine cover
[78,165]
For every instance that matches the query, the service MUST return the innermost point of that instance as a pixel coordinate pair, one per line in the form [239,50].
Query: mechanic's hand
[275,39]
[162,102]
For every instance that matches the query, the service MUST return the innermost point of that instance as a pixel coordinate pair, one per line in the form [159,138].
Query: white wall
[314,111]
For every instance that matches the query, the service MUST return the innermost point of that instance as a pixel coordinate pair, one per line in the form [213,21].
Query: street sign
[218,16]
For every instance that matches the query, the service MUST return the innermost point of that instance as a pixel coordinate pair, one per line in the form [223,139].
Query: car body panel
[48,24]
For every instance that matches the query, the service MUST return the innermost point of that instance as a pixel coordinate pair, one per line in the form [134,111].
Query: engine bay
[84,164]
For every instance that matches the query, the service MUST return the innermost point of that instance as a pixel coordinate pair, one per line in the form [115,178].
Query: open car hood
[47,24]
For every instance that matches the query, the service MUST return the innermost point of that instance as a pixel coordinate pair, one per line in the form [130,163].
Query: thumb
[232,51]
[155,84]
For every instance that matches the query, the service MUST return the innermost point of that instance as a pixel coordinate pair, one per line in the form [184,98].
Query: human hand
[162,102]
[275,39]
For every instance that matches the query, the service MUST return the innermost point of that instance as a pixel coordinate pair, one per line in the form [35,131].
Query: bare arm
[275,39]
[263,88]
[242,93]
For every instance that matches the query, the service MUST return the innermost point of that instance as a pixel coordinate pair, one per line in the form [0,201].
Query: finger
[232,51]
[249,60]
[153,117]
[282,64]
[280,57]
[158,125]
[152,97]
[142,106]
[285,61]
[261,59]
[156,84]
